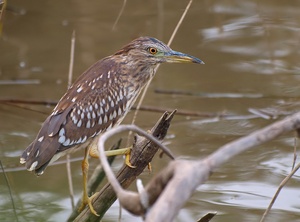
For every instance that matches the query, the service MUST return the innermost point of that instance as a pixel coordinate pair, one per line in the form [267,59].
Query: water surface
[251,54]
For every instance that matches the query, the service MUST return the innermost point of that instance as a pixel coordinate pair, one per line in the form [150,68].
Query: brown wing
[95,102]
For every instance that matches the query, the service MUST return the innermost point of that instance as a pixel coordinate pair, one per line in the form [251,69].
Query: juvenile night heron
[98,100]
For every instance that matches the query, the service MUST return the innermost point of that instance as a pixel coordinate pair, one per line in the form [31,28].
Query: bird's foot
[124,151]
[85,198]
[88,201]
[127,158]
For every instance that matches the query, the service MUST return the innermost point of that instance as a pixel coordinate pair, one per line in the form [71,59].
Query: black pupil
[153,50]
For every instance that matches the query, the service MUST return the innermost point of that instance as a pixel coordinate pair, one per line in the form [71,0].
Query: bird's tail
[39,153]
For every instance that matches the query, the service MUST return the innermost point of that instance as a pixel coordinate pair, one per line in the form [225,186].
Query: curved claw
[127,159]
[88,201]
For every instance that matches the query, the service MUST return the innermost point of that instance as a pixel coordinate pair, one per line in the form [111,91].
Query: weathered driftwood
[168,191]
[142,153]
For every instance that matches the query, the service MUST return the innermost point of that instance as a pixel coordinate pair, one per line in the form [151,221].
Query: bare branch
[295,151]
[70,77]
[207,217]
[142,153]
[190,174]
[119,15]
[125,196]
[282,184]
[10,193]
[184,175]
[180,22]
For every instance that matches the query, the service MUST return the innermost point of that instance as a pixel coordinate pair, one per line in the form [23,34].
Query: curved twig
[191,174]
[136,207]
[282,184]
[187,175]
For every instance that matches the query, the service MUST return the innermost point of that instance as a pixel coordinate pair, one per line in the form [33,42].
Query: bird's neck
[137,71]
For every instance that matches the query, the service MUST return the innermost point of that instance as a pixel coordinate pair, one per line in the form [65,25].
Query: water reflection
[250,195]
[256,35]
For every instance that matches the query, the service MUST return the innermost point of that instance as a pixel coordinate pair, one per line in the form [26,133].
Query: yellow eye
[152,50]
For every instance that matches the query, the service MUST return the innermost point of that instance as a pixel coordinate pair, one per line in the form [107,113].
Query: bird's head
[151,51]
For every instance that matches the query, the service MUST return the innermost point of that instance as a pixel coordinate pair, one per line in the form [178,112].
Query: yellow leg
[85,198]
[125,151]
[93,152]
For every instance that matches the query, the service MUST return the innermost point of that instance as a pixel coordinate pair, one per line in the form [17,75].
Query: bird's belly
[70,150]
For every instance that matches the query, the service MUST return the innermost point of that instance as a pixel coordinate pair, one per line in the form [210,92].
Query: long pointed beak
[178,57]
